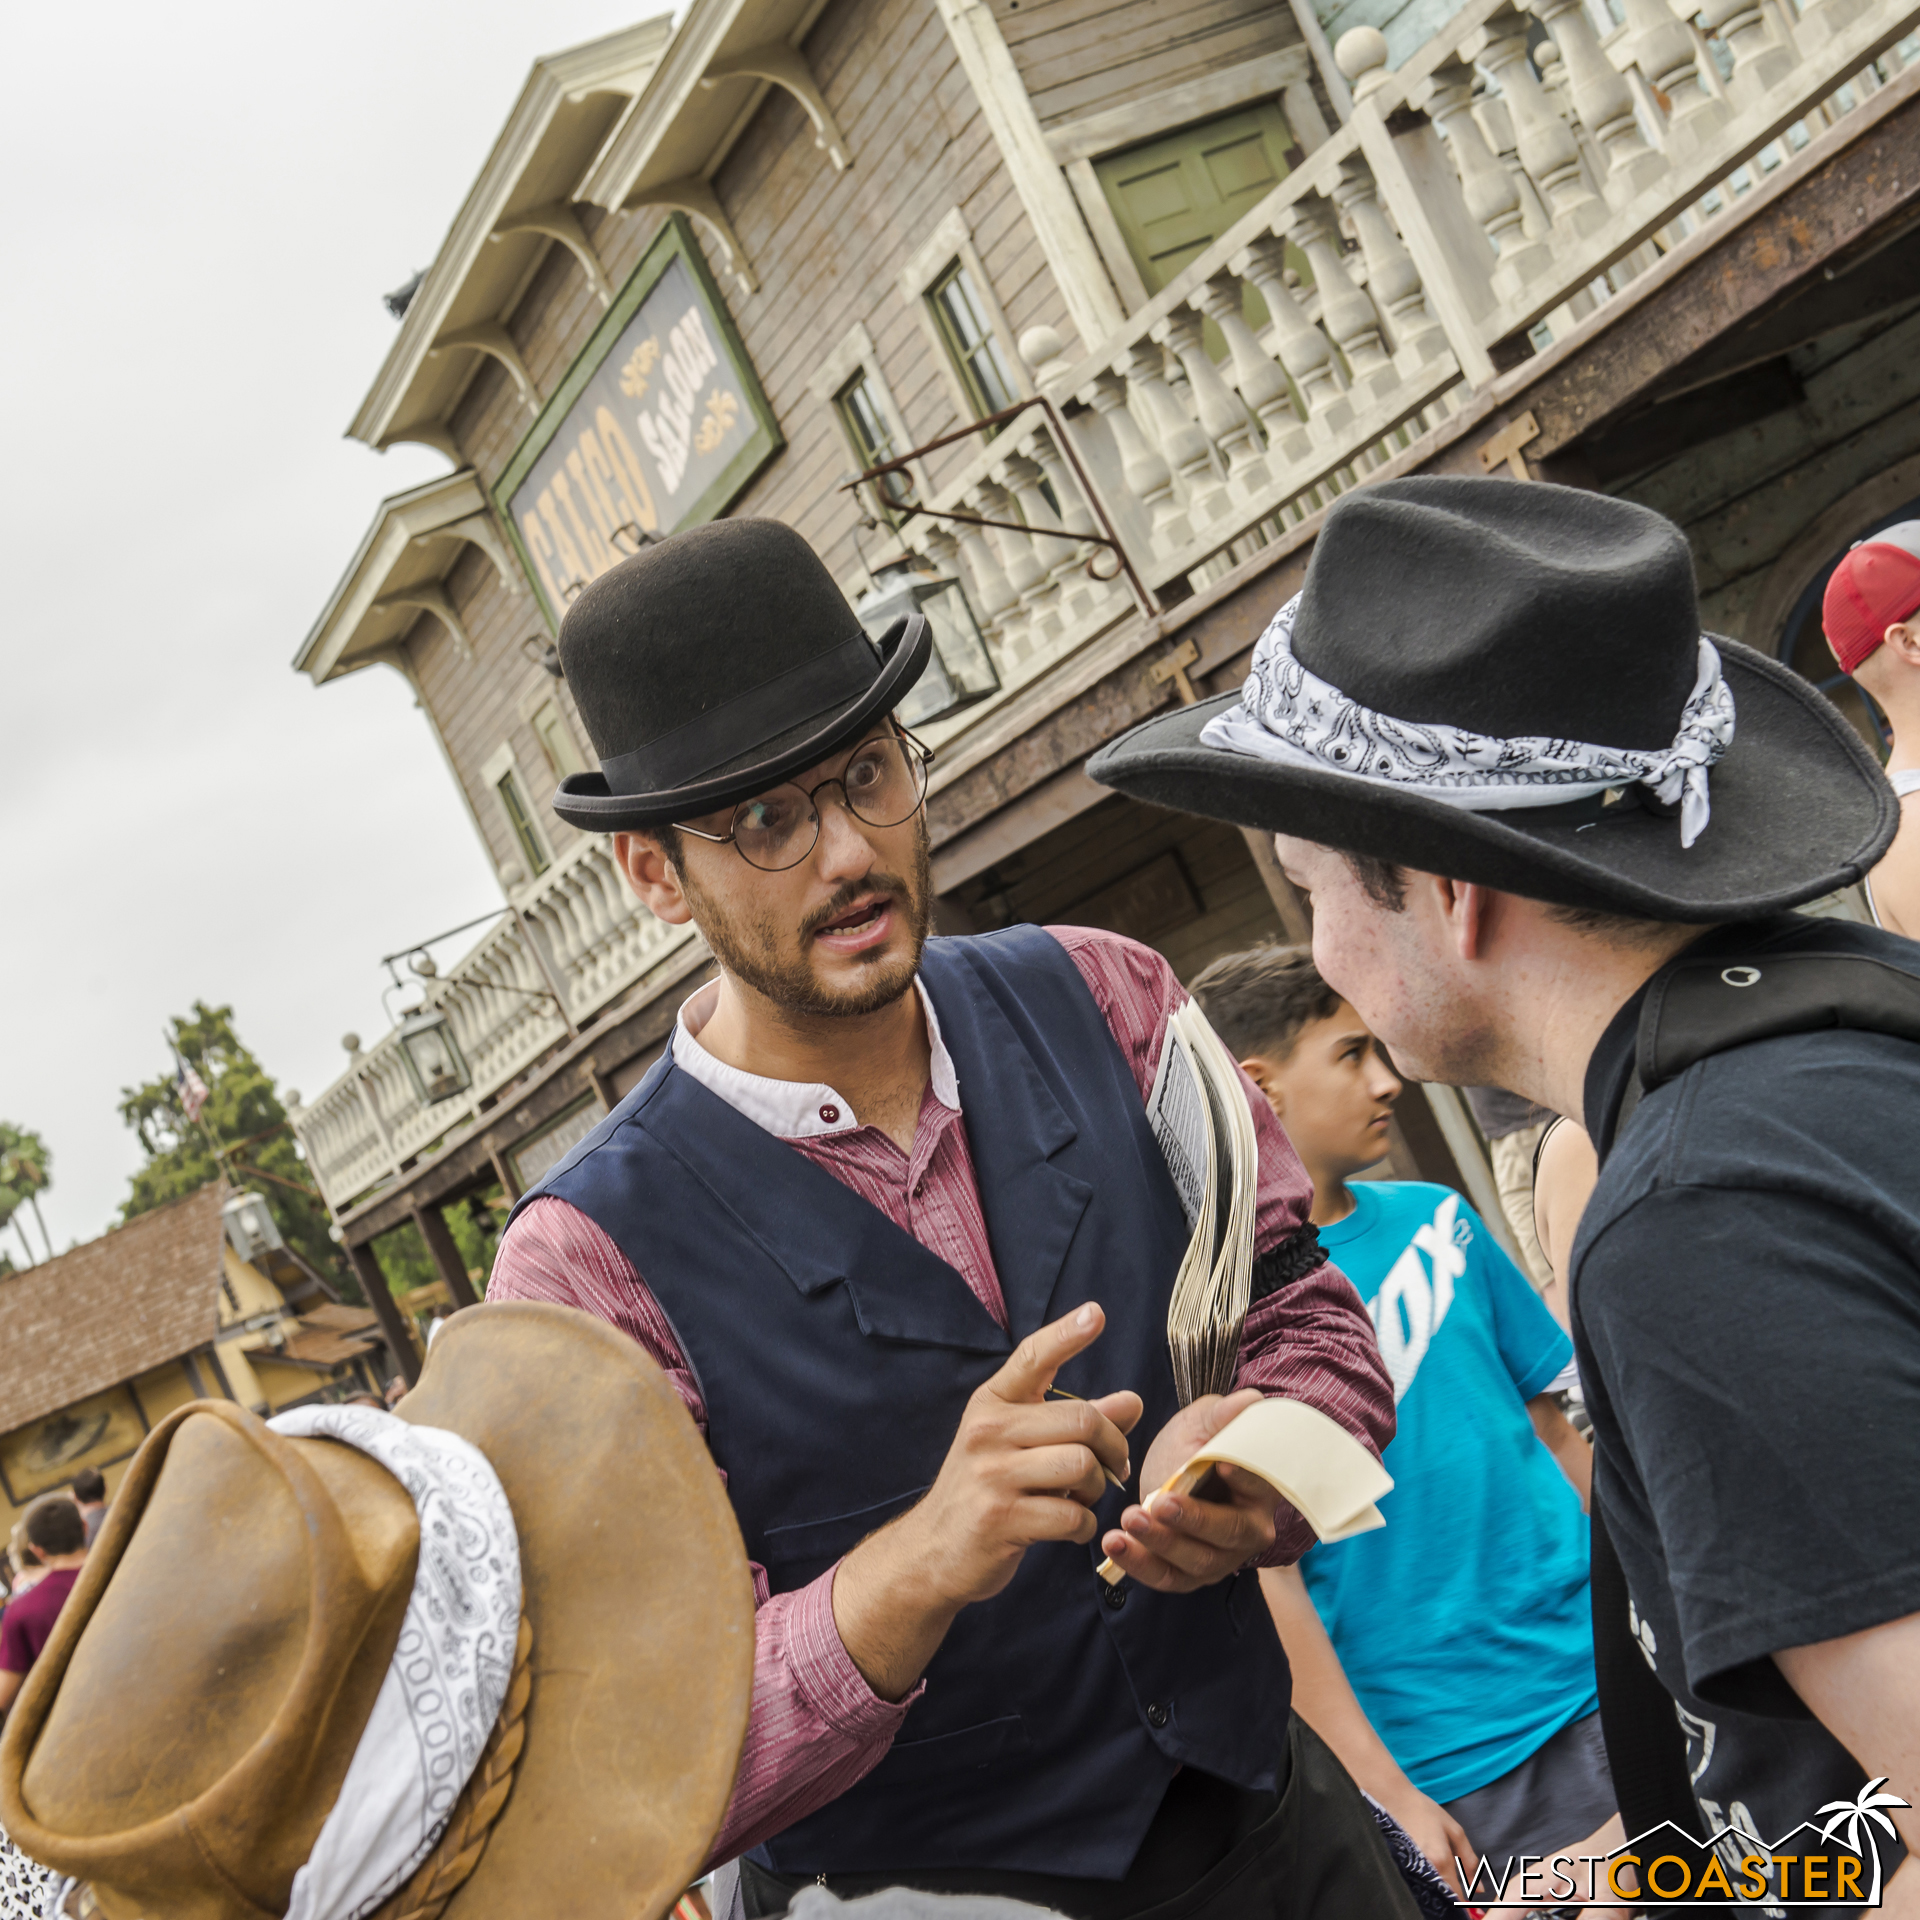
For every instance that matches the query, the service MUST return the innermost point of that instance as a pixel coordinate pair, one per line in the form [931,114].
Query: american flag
[192,1090]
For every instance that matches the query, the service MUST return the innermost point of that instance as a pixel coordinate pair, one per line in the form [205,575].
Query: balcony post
[393,1323]
[446,1256]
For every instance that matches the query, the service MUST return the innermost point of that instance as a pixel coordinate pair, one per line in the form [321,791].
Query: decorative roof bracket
[695,196]
[428,433]
[431,597]
[491,338]
[786,67]
[479,531]
[558,221]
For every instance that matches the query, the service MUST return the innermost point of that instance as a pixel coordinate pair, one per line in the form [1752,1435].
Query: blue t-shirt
[1464,1623]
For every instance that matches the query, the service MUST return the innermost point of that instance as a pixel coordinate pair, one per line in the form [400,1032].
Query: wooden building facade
[720,268]
[101,1343]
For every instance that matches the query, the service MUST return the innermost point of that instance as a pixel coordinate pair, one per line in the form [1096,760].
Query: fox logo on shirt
[1414,1297]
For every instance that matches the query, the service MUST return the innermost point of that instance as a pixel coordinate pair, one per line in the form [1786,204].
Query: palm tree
[24,1162]
[1857,1813]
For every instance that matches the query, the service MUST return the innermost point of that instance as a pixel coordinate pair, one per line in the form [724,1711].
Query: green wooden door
[1173,197]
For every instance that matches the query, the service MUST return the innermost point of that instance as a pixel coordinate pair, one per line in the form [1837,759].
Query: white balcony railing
[1519,195]
[578,934]
[1511,202]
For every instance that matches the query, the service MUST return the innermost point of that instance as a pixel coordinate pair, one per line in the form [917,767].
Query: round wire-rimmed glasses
[883,784]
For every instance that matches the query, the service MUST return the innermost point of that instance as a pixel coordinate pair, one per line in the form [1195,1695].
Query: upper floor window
[970,339]
[872,439]
[513,802]
[556,739]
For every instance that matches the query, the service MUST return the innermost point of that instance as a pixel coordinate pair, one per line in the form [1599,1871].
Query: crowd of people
[1642,1626]
[45,1552]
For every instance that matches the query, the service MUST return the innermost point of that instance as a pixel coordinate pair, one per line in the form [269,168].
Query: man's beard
[761,951]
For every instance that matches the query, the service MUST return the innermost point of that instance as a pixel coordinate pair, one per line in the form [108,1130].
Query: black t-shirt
[1746,1305]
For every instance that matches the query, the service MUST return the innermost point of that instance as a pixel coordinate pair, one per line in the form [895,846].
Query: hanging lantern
[250,1226]
[433,1057]
[960,670]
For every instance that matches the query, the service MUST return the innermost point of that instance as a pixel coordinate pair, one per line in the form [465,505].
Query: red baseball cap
[1875,586]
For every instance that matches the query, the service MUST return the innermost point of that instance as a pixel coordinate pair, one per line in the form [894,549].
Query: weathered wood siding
[1079,57]
[826,248]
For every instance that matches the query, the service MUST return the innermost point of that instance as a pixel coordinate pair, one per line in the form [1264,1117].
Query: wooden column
[504,1174]
[446,1256]
[1295,919]
[393,1323]
[1420,1149]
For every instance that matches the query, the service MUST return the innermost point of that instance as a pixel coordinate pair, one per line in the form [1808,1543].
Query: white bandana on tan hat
[444,1685]
[1287,713]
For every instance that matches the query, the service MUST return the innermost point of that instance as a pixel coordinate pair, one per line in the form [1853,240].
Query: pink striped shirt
[816,1726]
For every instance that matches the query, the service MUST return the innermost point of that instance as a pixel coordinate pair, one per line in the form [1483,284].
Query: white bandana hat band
[1289,715]
[450,1667]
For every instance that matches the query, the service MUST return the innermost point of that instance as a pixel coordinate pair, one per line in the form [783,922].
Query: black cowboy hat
[713,665]
[1537,611]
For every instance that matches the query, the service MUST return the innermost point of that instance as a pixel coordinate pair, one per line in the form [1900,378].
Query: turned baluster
[1227,423]
[992,595]
[1821,21]
[1664,51]
[1345,311]
[1760,62]
[1546,144]
[1393,280]
[1302,348]
[1023,476]
[1261,381]
[1602,99]
[1145,470]
[1186,447]
[1076,515]
[1017,558]
[1491,193]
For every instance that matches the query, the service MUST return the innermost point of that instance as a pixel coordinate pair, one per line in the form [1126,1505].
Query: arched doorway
[1787,611]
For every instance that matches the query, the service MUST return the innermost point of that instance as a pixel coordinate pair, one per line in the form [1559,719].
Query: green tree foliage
[26,1172]
[241,1132]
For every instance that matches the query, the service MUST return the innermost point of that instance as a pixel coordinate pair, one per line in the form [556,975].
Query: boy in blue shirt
[1447,1659]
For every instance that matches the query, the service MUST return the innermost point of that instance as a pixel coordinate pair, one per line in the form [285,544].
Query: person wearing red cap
[1872,619]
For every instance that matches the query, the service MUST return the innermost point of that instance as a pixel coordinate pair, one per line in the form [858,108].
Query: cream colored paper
[1312,1462]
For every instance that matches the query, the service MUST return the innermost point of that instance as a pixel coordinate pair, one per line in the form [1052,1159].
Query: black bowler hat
[1449,624]
[712,666]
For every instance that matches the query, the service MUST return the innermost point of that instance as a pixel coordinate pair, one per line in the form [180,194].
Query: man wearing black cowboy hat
[867,1296]
[1550,832]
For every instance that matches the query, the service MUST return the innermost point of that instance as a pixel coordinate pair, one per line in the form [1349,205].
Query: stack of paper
[1198,1112]
[1312,1462]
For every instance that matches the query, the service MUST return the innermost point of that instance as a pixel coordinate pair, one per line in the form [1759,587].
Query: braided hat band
[1287,713]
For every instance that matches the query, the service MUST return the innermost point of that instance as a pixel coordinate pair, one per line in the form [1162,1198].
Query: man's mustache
[844,897]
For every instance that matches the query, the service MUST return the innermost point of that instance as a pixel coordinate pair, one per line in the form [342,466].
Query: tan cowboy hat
[186,1734]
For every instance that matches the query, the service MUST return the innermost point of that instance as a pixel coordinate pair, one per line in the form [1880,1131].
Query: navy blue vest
[835,1355]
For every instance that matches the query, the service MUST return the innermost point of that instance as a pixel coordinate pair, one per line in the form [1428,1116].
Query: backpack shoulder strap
[1698,1007]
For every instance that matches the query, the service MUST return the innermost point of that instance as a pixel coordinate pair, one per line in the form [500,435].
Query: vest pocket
[945,1753]
[796,1555]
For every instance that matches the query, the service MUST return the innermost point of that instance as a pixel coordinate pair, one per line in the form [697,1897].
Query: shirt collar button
[831,1115]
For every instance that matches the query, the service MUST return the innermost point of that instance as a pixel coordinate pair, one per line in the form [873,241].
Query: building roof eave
[397,572]
[548,138]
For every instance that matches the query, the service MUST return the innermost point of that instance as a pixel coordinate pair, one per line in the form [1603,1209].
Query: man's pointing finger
[1029,1373]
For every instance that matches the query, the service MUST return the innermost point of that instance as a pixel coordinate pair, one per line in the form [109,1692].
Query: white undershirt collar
[791,1109]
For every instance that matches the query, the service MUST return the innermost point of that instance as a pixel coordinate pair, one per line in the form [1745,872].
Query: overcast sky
[205,204]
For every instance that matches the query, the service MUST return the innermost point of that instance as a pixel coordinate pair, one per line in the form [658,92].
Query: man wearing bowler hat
[890,1215]
[1551,833]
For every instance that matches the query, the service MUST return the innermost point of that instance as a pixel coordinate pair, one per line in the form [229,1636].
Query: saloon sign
[659,425]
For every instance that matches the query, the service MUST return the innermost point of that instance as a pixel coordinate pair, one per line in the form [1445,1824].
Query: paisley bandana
[449,1671]
[1289,715]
